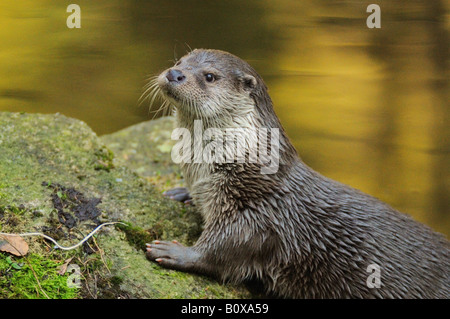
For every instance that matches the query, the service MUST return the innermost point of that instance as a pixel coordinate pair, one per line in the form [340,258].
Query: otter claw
[180,194]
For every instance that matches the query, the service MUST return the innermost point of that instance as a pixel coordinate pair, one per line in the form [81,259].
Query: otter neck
[197,168]
[248,134]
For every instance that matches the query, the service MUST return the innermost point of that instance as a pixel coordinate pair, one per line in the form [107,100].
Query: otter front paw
[172,255]
[180,194]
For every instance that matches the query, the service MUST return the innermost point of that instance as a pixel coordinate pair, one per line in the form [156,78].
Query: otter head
[214,86]
[222,91]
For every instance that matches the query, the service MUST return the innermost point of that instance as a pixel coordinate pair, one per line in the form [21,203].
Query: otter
[302,235]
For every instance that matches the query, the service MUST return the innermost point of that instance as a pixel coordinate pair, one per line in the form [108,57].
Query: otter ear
[247,81]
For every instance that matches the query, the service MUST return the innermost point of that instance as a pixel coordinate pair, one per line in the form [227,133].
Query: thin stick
[56,243]
[35,277]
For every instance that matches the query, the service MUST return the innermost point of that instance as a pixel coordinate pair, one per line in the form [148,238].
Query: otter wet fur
[300,234]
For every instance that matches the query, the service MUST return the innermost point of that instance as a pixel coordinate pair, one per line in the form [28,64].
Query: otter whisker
[150,85]
[152,79]
[156,94]
[167,108]
[189,47]
[153,82]
[151,92]
[175,52]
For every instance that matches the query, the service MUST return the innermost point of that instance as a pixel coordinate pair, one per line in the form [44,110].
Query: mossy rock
[146,149]
[58,177]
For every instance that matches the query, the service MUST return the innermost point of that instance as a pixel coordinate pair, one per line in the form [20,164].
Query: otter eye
[210,77]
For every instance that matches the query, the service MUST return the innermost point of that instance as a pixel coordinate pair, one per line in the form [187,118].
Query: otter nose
[175,76]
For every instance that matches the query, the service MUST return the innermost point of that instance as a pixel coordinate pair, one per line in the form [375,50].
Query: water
[368,107]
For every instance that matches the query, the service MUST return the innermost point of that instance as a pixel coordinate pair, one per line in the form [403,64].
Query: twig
[36,277]
[101,255]
[56,243]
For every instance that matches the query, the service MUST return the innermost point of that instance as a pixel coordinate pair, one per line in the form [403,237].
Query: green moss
[116,280]
[16,210]
[11,217]
[104,159]
[65,152]
[33,277]
[136,236]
